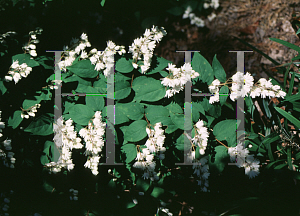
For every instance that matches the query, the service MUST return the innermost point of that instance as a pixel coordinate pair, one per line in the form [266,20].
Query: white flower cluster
[2,124]
[177,78]
[30,112]
[5,202]
[70,55]
[94,142]
[6,35]
[153,145]
[55,84]
[65,139]
[104,60]
[74,194]
[201,169]
[145,46]
[194,19]
[164,210]
[266,88]
[8,147]
[242,85]
[201,136]
[30,47]
[9,155]
[241,156]
[214,4]
[17,71]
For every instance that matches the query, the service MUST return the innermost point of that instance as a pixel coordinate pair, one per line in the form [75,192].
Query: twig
[221,143]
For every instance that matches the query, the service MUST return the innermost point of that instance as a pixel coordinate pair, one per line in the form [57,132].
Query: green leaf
[143,184]
[174,107]
[180,143]
[74,78]
[177,116]
[40,126]
[44,159]
[126,111]
[41,60]
[176,11]
[280,166]
[101,86]
[95,102]
[122,89]
[223,94]
[84,69]
[81,114]
[162,64]
[157,192]
[154,112]
[157,113]
[81,88]
[178,120]
[289,117]
[51,152]
[25,58]
[121,77]
[292,98]
[202,66]
[213,110]
[163,73]
[3,89]
[287,44]
[112,184]
[16,120]
[47,187]
[124,66]
[130,151]
[68,106]
[136,131]
[54,153]
[226,130]
[171,127]
[148,89]
[130,205]
[196,108]
[221,159]
[218,70]
[102,3]
[29,103]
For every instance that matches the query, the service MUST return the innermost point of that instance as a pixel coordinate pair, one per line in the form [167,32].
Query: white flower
[187,12]
[33,53]
[33,36]
[15,64]
[211,16]
[206,5]
[16,77]
[83,36]
[32,46]
[84,55]
[8,78]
